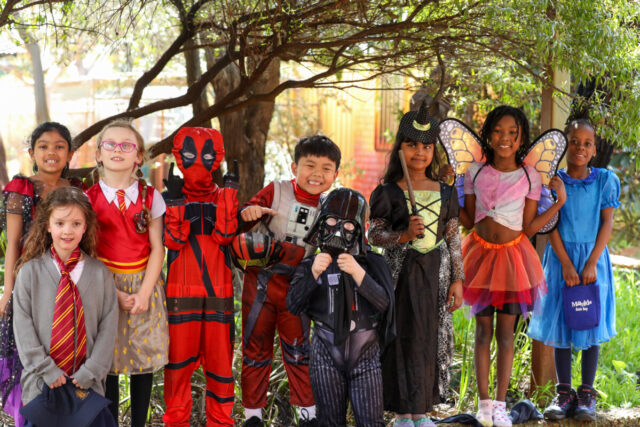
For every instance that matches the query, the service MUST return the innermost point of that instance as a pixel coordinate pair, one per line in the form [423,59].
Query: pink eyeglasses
[125,147]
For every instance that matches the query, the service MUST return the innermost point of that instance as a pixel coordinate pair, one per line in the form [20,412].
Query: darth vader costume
[200,219]
[352,321]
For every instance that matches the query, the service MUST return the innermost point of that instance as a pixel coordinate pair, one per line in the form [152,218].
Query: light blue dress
[579,225]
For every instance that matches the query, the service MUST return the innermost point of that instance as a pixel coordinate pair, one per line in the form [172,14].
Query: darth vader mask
[340,225]
[338,235]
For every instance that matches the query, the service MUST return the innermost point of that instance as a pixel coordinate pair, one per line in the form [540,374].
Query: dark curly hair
[394,171]
[490,123]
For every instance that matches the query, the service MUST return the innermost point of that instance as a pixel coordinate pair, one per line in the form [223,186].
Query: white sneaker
[485,412]
[500,416]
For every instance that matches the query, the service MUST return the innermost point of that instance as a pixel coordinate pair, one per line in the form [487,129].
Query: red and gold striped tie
[68,334]
[121,204]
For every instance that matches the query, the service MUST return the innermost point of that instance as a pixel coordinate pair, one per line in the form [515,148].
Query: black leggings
[140,396]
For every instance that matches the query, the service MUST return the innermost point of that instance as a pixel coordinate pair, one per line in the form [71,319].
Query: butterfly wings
[463,148]
[545,155]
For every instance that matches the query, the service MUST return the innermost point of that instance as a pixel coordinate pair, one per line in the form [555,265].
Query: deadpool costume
[200,219]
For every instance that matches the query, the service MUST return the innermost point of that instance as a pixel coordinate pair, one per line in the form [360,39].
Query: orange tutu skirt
[498,274]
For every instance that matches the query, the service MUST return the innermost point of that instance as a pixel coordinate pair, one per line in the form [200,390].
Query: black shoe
[308,423]
[586,410]
[305,421]
[563,405]
[253,422]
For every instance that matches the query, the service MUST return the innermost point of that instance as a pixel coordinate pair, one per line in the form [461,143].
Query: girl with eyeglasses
[130,244]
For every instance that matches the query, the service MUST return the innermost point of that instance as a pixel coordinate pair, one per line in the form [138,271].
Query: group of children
[383,334]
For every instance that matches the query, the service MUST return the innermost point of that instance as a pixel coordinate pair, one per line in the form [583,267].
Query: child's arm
[368,285]
[305,281]
[532,223]
[12,252]
[589,273]
[380,230]
[98,363]
[154,267]
[569,273]
[452,237]
[32,353]
[468,211]
[259,205]
[226,224]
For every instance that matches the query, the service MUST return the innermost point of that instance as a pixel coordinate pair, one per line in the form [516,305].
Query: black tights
[589,365]
[140,389]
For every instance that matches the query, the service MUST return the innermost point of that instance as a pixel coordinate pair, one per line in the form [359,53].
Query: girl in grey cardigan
[63,239]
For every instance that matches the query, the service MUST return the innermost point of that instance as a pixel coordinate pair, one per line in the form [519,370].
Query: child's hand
[60,381]
[320,264]
[589,273]
[446,172]
[416,227]
[124,300]
[140,302]
[253,213]
[570,275]
[455,294]
[4,303]
[348,264]
[557,185]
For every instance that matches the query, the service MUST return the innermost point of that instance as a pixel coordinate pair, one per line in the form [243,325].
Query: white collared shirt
[75,273]
[158,207]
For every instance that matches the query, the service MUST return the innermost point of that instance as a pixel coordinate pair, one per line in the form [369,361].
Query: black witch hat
[420,126]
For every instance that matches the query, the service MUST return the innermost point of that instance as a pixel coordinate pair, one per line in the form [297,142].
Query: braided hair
[490,123]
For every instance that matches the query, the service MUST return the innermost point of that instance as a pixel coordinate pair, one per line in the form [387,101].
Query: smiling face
[67,225]
[51,153]
[314,174]
[117,160]
[505,138]
[582,146]
[418,155]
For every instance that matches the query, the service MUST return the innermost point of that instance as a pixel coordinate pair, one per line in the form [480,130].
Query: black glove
[173,184]
[232,179]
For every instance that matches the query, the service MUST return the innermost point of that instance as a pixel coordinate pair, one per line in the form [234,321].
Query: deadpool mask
[198,152]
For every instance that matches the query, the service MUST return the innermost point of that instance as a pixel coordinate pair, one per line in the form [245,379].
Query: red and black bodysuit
[264,295]
[199,284]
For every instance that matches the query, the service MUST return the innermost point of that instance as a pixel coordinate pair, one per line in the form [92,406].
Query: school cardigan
[34,298]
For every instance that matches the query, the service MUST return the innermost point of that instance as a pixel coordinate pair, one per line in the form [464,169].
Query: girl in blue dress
[578,255]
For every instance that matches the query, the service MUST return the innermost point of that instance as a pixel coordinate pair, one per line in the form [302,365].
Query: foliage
[618,375]
[626,219]
[473,42]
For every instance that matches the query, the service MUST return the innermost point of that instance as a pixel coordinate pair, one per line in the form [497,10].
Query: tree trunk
[245,132]
[42,109]
[4,176]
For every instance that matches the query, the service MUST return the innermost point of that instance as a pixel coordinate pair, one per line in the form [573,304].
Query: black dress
[416,365]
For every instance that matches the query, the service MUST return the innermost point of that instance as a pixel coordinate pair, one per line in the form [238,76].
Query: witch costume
[416,364]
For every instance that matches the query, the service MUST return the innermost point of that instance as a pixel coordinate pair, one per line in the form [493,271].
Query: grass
[618,375]
[617,379]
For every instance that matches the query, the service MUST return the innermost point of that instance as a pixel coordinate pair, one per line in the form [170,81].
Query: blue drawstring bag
[581,305]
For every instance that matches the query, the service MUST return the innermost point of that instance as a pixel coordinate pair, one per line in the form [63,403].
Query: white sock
[308,411]
[248,413]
